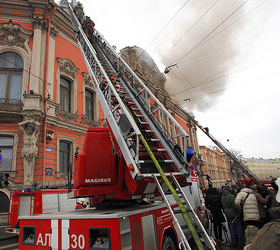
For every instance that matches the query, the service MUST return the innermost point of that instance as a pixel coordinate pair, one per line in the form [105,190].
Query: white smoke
[200,73]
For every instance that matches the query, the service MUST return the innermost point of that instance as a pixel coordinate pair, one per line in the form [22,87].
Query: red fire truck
[117,221]
[130,169]
[36,202]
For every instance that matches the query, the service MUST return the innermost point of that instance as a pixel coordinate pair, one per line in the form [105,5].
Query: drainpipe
[45,97]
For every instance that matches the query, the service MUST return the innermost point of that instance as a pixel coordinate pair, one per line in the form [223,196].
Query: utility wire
[230,73]
[26,71]
[163,29]
[180,59]
[191,27]
[230,25]
[228,45]
[198,97]
[219,74]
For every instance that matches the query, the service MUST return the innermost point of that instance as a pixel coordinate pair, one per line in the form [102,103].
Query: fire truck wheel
[168,243]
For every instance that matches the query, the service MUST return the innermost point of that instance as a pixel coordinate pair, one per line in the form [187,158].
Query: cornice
[64,124]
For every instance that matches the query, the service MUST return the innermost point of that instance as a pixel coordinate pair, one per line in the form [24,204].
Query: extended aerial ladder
[232,157]
[152,154]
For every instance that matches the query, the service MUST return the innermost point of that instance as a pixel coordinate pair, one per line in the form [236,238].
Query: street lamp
[168,68]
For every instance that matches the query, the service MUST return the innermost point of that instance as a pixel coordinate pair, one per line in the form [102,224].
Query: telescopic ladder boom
[238,162]
[140,131]
[125,101]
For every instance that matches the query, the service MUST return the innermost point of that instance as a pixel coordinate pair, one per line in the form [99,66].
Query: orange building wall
[64,50]
[216,166]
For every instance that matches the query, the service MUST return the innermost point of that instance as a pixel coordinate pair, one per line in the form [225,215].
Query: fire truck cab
[146,226]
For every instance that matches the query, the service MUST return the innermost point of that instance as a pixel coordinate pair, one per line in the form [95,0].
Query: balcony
[10,109]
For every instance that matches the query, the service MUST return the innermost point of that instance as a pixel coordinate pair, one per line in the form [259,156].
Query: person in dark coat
[79,11]
[213,203]
[88,27]
[232,215]
[268,237]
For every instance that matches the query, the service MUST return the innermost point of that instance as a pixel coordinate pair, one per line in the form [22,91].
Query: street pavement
[8,241]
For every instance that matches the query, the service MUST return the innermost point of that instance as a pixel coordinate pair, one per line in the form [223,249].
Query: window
[89,102]
[65,95]
[64,155]
[6,147]
[11,65]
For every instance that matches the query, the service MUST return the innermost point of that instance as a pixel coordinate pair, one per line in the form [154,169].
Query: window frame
[67,70]
[14,134]
[63,92]
[9,73]
[72,145]
[89,101]
[62,153]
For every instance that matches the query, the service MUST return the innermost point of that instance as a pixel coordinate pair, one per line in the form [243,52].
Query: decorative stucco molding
[67,66]
[13,34]
[30,134]
[67,116]
[39,23]
[53,32]
[87,80]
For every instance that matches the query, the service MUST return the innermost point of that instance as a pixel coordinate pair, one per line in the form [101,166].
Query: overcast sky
[226,57]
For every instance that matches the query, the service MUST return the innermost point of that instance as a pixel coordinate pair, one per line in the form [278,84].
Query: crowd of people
[252,214]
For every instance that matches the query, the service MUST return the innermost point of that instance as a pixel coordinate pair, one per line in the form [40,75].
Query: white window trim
[73,91]
[95,104]
[14,134]
[95,97]
[26,65]
[72,153]
[73,81]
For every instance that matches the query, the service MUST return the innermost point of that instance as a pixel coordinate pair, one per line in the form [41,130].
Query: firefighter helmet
[81,201]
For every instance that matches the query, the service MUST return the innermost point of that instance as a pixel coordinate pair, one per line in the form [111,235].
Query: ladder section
[126,104]
[125,101]
[165,127]
[112,105]
[185,220]
[238,162]
[166,155]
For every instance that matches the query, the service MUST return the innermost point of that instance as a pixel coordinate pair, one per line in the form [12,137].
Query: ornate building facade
[47,100]
[217,166]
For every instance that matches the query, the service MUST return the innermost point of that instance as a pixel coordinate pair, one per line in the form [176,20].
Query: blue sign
[49,149]
[48,171]
[1,158]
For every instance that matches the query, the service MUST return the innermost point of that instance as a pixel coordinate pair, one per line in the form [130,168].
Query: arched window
[11,65]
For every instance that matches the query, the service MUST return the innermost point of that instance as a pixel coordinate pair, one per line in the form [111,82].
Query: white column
[36,56]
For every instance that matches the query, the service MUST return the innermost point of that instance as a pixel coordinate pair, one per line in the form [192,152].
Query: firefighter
[88,26]
[81,204]
[79,11]
[190,154]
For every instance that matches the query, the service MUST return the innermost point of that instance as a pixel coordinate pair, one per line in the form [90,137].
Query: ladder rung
[199,231]
[147,139]
[159,161]
[153,150]
[179,211]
